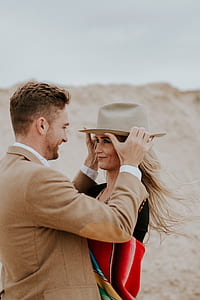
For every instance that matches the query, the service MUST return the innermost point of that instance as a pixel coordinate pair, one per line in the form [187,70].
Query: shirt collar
[40,157]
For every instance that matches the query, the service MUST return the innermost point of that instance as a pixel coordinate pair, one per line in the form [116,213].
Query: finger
[133,132]
[94,141]
[141,132]
[146,136]
[88,137]
[151,142]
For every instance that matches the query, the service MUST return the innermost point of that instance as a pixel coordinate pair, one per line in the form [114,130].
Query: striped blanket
[117,268]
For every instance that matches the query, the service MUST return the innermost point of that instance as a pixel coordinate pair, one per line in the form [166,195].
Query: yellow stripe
[107,287]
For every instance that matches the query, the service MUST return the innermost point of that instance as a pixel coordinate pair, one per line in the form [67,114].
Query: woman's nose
[98,148]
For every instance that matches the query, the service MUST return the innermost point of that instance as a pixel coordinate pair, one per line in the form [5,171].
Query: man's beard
[52,152]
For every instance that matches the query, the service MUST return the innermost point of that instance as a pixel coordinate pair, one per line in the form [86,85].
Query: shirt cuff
[89,172]
[132,170]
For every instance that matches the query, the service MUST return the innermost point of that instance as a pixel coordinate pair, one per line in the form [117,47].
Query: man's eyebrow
[66,124]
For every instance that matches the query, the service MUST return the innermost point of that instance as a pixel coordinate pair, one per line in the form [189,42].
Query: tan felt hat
[119,118]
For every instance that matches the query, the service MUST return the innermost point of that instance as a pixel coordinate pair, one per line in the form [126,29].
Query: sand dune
[171,268]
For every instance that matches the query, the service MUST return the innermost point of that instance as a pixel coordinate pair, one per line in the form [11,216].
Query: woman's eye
[106,141]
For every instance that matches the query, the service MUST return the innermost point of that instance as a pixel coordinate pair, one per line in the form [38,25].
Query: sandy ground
[171,268]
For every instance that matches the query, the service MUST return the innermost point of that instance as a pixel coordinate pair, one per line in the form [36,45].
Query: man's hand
[91,160]
[133,150]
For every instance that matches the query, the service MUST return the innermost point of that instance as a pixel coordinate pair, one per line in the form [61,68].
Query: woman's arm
[84,180]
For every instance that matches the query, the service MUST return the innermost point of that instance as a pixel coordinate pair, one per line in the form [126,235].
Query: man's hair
[35,99]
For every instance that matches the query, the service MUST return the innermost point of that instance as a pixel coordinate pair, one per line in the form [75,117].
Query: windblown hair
[162,217]
[35,99]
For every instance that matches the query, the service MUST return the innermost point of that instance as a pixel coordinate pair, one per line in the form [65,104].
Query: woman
[117,266]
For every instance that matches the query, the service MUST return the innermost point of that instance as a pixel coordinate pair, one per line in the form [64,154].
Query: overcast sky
[81,42]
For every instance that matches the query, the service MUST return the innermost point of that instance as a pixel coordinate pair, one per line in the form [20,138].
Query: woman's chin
[103,166]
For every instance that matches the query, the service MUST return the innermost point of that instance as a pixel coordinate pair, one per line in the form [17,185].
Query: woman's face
[107,156]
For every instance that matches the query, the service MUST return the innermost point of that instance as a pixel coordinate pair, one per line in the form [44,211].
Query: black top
[141,226]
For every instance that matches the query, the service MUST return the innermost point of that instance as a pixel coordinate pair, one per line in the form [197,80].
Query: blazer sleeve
[83,183]
[53,202]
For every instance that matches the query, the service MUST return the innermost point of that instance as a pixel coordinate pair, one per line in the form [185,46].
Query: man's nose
[65,139]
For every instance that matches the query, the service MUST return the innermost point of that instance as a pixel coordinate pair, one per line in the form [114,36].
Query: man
[44,220]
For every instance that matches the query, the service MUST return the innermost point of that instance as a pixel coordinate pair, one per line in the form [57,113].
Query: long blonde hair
[163,218]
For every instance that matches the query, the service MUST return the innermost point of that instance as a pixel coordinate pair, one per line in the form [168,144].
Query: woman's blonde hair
[163,218]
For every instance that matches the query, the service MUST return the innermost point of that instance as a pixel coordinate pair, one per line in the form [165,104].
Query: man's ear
[42,125]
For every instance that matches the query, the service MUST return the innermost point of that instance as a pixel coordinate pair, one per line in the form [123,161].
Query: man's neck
[28,142]
[34,151]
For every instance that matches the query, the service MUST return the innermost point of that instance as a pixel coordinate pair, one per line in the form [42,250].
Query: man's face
[56,134]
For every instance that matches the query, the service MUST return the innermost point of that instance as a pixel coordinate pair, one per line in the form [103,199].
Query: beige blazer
[44,223]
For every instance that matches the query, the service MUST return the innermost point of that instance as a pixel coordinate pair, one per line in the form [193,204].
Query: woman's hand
[91,160]
[133,150]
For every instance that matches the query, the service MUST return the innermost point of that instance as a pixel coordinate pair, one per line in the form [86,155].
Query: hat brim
[117,132]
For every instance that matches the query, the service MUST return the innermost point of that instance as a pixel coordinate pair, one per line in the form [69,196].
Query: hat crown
[119,118]
[122,117]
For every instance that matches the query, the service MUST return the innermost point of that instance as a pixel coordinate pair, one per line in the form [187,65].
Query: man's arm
[53,202]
